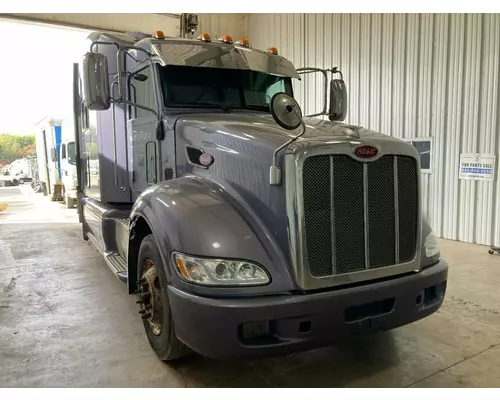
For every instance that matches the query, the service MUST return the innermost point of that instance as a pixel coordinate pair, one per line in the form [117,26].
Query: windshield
[216,87]
[71,148]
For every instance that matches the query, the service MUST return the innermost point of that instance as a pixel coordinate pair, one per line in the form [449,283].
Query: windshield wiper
[257,108]
[212,105]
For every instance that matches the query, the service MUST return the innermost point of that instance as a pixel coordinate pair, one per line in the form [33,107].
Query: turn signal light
[272,50]
[205,37]
[226,39]
[243,42]
[159,35]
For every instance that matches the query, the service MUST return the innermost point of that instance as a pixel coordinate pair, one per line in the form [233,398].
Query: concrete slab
[66,321]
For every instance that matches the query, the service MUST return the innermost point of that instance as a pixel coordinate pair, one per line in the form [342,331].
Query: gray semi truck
[244,228]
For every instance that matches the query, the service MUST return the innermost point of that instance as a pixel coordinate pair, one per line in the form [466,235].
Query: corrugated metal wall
[412,75]
[219,25]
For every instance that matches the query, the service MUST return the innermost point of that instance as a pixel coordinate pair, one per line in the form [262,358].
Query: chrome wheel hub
[150,297]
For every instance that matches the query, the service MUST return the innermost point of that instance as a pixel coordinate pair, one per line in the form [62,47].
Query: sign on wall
[477,166]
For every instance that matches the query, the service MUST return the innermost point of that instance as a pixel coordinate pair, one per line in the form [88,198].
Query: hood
[256,136]
[242,145]
[262,127]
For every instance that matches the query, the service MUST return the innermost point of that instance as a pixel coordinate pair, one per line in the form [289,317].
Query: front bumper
[271,325]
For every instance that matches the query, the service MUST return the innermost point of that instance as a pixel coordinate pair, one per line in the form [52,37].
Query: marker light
[272,50]
[205,37]
[159,35]
[243,42]
[226,39]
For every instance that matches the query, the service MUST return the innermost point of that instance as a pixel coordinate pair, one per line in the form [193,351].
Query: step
[117,265]
[123,276]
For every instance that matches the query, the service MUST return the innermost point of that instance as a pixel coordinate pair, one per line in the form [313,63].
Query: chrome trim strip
[396,209]
[332,218]
[367,217]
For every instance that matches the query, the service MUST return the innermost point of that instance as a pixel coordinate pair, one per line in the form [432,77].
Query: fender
[193,215]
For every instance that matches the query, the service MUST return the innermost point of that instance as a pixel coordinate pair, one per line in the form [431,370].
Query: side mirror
[53,154]
[338,100]
[63,151]
[96,92]
[286,111]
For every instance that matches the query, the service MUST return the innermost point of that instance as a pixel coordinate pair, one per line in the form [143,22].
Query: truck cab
[243,227]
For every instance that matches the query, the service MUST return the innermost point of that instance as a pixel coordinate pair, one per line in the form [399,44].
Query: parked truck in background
[48,143]
[68,163]
[20,171]
[244,228]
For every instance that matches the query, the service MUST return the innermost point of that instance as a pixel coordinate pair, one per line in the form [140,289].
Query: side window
[424,148]
[277,87]
[151,163]
[142,91]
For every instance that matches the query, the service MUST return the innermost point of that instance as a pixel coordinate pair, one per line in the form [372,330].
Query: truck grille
[359,216]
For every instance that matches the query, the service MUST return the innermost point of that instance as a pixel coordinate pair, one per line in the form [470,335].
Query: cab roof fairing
[196,53]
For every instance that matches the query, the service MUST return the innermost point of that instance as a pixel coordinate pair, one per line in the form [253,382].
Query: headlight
[211,272]
[431,246]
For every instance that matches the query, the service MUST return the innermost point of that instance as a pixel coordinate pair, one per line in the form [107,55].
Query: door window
[142,91]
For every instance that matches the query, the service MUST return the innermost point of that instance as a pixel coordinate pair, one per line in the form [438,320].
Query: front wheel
[155,307]
[21,181]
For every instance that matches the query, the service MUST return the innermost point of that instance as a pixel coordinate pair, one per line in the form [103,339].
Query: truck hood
[242,145]
[262,127]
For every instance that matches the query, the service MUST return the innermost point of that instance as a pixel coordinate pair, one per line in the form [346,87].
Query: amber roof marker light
[272,50]
[159,35]
[226,39]
[205,37]
[243,42]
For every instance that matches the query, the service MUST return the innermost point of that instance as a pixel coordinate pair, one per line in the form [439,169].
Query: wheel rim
[150,297]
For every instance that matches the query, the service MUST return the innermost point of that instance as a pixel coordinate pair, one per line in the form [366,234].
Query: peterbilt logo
[366,151]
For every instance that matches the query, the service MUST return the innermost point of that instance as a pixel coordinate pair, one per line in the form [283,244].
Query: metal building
[430,78]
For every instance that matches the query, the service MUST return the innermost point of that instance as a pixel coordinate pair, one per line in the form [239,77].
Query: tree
[11,146]
[28,150]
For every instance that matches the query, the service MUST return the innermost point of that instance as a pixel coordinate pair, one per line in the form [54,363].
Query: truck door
[141,129]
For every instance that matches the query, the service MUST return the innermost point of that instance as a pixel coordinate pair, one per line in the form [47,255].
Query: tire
[491,252]
[165,343]
[15,182]
[21,181]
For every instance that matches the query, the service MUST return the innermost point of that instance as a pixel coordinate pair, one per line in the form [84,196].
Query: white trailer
[68,163]
[48,142]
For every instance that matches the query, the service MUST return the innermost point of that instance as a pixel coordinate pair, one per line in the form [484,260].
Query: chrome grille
[359,215]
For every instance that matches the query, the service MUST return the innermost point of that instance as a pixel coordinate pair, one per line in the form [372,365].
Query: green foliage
[11,145]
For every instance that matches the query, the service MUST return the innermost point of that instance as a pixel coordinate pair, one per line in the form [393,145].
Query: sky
[36,74]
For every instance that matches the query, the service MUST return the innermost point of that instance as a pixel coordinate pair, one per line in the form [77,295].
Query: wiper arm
[212,105]
[258,108]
